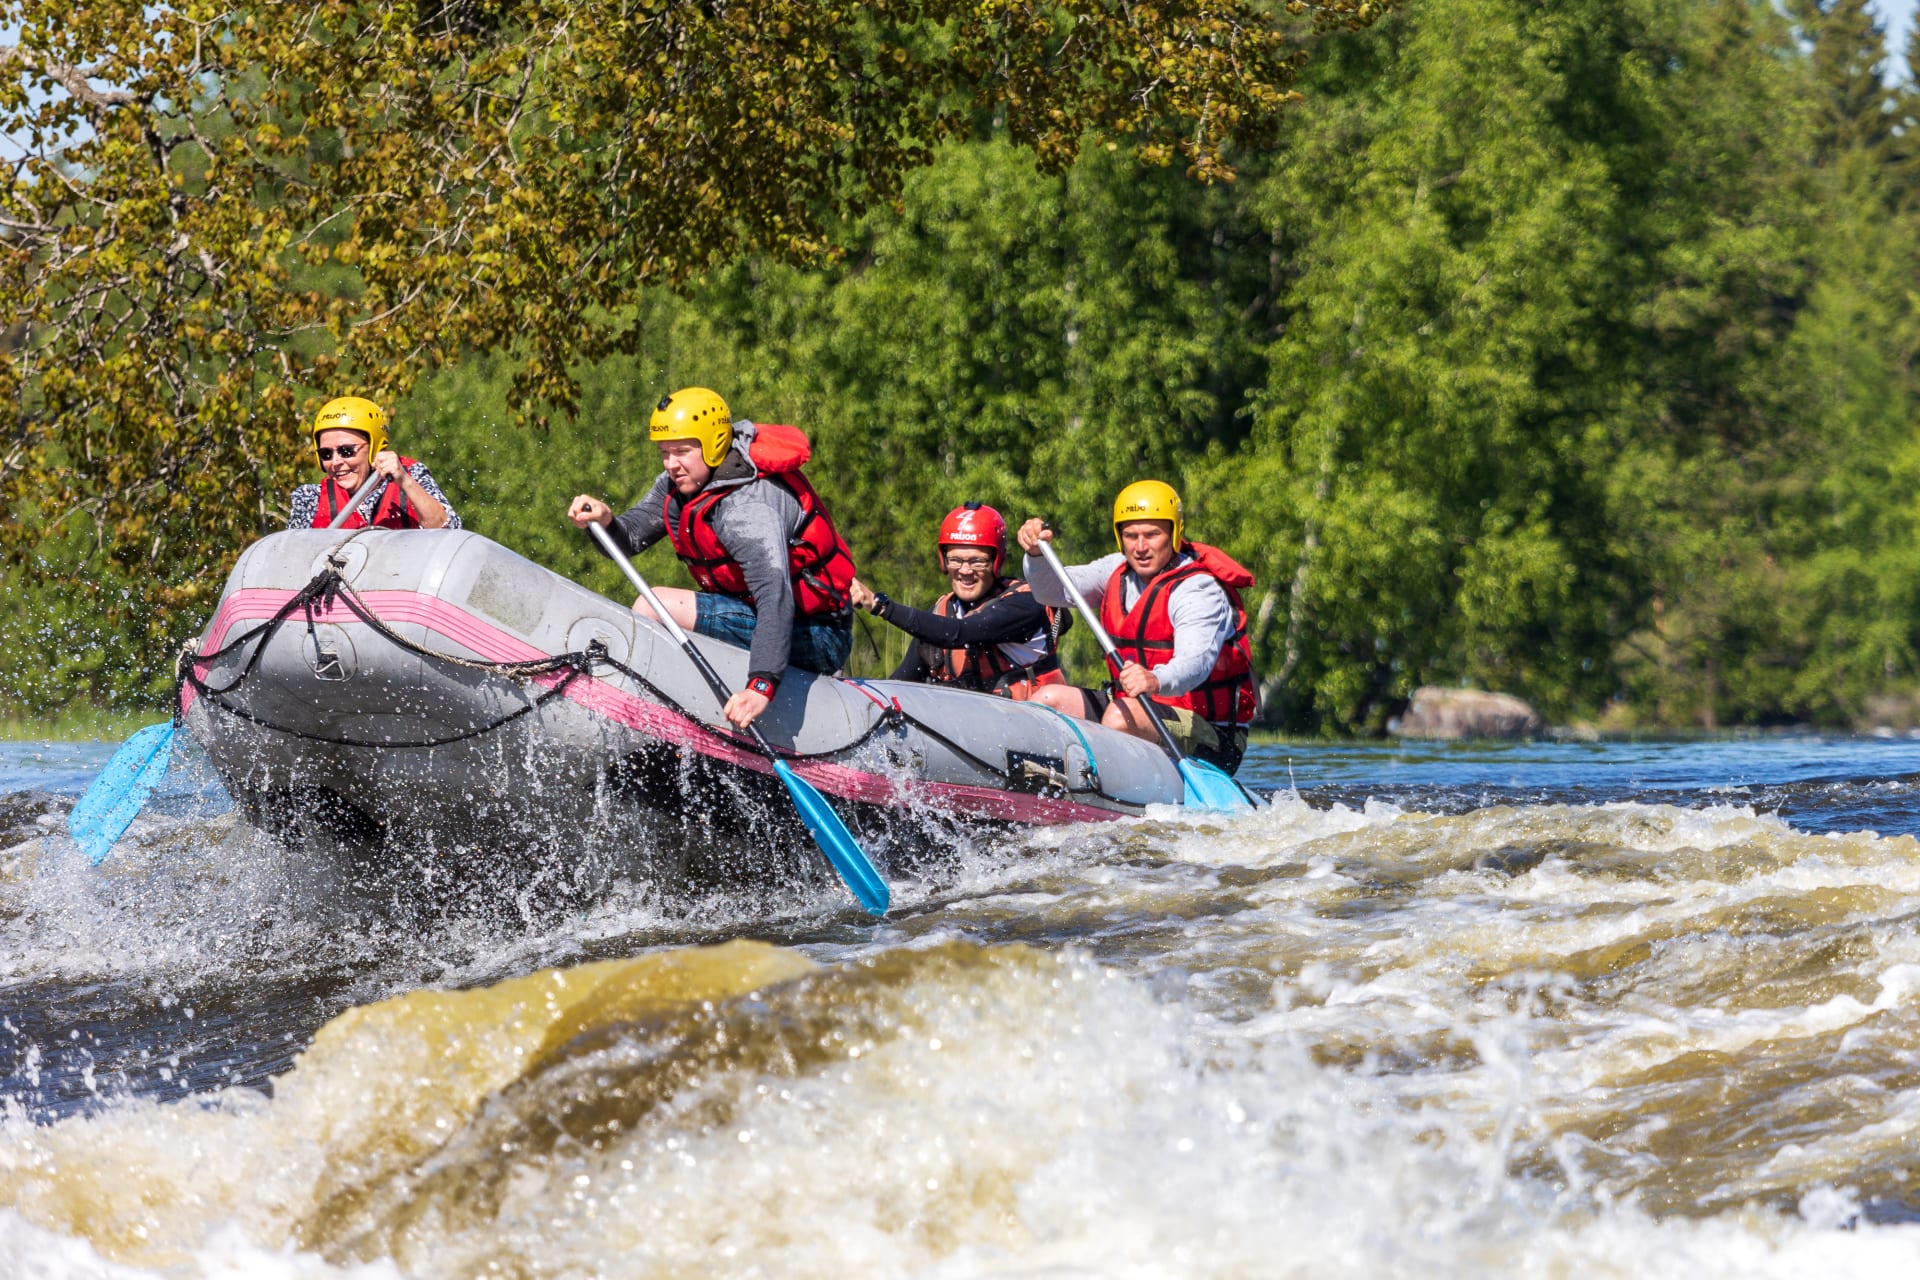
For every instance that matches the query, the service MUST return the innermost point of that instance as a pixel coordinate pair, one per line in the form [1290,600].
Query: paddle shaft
[1106,644]
[699,659]
[855,869]
[353,503]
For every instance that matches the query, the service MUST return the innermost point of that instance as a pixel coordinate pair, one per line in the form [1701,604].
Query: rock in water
[1467,713]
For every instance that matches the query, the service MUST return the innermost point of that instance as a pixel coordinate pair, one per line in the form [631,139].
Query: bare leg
[678,602]
[1125,715]
[1064,698]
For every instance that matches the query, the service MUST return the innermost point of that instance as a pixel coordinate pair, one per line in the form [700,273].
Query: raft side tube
[432,587]
[334,701]
[1027,747]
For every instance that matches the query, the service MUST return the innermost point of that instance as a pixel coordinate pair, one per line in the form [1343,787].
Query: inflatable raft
[410,695]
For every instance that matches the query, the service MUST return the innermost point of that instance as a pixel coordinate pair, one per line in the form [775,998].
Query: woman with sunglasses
[987,634]
[350,443]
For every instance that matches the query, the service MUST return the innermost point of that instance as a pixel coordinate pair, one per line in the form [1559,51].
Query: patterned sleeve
[424,478]
[303,506]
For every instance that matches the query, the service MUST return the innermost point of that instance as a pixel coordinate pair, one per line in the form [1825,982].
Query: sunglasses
[346,452]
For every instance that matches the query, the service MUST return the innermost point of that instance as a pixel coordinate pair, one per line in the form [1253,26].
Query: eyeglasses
[968,564]
[346,451]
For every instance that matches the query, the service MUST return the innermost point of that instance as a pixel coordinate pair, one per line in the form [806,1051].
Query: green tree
[226,213]
[1848,55]
[1531,280]
[1903,146]
[1849,540]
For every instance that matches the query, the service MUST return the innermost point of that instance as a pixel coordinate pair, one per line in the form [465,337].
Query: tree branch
[75,80]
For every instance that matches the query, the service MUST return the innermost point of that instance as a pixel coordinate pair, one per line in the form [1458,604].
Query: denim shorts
[819,645]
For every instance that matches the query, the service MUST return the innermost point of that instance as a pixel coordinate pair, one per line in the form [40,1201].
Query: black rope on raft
[896,714]
[891,717]
[990,767]
[331,586]
[598,656]
[556,691]
[887,721]
[328,586]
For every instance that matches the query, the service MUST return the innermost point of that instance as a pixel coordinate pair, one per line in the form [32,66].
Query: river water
[1545,1010]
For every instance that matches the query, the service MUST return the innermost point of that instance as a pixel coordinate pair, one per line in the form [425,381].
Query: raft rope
[328,586]
[323,590]
[891,708]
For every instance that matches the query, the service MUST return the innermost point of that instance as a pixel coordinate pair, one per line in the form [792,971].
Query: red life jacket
[818,561]
[1144,634]
[392,512]
[989,668]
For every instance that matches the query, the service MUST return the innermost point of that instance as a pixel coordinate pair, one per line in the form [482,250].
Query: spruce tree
[1848,53]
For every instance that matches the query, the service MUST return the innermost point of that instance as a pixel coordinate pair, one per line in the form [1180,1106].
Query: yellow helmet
[1147,500]
[694,413]
[351,413]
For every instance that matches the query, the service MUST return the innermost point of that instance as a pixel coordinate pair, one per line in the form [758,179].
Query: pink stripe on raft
[257,604]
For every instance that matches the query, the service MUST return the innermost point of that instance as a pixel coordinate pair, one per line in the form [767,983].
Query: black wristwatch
[881,603]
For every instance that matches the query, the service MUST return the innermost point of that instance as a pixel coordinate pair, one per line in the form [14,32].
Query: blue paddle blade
[1209,787]
[836,842]
[113,801]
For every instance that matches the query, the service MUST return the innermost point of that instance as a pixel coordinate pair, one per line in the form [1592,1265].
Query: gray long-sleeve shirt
[755,525]
[1201,613]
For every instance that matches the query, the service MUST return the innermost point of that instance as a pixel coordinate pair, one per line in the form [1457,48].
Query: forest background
[1564,349]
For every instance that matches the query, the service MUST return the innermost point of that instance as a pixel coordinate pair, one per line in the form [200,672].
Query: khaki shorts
[1201,739]
[1204,740]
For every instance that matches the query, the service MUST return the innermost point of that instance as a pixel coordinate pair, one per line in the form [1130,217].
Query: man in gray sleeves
[774,574]
[1174,612]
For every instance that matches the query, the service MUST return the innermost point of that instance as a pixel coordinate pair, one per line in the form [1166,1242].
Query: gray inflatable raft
[419,692]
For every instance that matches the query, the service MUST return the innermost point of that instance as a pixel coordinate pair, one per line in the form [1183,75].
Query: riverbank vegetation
[1567,350]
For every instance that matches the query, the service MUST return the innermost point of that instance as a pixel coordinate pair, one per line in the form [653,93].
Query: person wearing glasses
[988,634]
[350,443]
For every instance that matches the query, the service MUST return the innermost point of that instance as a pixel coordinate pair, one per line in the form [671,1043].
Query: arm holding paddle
[753,534]
[1206,785]
[855,869]
[353,503]
[427,503]
[634,532]
[1202,622]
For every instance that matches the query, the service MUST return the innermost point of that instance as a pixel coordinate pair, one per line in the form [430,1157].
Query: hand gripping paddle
[831,834]
[1207,786]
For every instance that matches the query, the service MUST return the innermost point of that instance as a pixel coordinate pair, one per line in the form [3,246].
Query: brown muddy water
[1542,1010]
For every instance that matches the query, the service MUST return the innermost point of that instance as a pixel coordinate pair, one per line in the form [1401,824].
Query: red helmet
[974,525]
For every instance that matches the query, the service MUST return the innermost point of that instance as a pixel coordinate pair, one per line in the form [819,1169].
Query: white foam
[1032,1118]
[29,1253]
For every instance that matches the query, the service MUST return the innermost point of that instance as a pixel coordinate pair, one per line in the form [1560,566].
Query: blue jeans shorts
[819,645]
